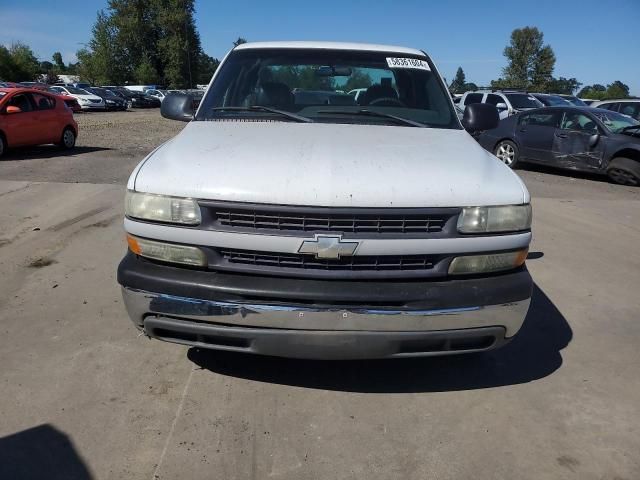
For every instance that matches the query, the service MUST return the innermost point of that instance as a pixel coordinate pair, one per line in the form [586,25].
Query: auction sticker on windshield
[395,62]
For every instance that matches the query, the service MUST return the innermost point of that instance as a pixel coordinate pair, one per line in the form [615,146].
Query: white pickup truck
[289,218]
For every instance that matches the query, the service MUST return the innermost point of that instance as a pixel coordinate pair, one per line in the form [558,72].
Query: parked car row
[84,97]
[510,102]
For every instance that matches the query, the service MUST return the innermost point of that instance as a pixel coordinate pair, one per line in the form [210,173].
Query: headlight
[161,208]
[507,218]
[495,262]
[110,101]
[83,100]
[167,252]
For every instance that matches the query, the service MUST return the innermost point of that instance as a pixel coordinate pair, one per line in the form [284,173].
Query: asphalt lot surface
[82,396]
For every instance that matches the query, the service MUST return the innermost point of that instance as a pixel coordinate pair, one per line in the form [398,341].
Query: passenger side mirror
[479,117]
[178,106]
[593,140]
[13,109]
[501,106]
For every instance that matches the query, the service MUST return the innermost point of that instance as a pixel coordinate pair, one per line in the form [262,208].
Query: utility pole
[186,35]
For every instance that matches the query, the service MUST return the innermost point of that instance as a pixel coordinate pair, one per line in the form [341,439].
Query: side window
[578,122]
[43,102]
[494,99]
[22,101]
[630,109]
[473,98]
[542,119]
[610,106]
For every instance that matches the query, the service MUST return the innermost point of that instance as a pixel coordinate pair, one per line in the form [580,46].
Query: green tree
[179,45]
[58,62]
[563,85]
[207,66]
[458,82]
[469,87]
[614,90]
[6,64]
[145,72]
[617,90]
[136,39]
[22,64]
[596,87]
[103,60]
[239,41]
[89,68]
[530,62]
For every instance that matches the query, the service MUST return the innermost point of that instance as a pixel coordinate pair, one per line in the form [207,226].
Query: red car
[33,117]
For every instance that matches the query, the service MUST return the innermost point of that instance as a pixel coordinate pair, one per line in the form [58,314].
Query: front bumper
[323,319]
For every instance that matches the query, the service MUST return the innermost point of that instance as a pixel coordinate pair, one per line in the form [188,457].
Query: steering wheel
[392,100]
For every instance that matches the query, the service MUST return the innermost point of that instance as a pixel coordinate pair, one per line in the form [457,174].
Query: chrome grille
[309,262]
[317,222]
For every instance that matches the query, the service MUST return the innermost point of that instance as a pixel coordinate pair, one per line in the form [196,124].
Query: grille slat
[351,263]
[363,223]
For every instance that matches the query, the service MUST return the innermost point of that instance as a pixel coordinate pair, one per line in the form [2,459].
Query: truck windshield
[329,86]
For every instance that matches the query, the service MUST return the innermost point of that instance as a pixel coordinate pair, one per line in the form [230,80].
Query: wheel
[624,171]
[68,139]
[2,145]
[507,152]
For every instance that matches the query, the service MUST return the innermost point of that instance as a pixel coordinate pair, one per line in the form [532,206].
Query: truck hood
[327,165]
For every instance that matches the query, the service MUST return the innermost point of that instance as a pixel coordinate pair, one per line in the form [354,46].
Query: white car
[87,101]
[355,230]
[626,106]
[508,102]
[159,94]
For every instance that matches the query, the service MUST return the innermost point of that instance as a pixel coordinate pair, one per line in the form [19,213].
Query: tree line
[530,65]
[147,42]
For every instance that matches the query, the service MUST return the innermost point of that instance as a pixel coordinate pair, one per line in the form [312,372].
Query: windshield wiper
[260,108]
[371,113]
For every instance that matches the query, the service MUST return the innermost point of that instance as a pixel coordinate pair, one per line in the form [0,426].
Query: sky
[594,41]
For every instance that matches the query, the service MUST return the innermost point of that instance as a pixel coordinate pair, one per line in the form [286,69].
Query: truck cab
[283,222]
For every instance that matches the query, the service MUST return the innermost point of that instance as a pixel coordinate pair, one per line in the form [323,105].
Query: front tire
[68,139]
[624,171]
[3,145]
[507,152]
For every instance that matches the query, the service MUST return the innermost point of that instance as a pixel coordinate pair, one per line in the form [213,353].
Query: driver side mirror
[178,106]
[13,109]
[593,140]
[501,106]
[479,117]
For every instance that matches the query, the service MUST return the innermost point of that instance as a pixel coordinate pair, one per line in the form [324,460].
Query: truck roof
[331,46]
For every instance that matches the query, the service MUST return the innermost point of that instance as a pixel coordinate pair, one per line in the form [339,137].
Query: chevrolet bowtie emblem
[328,247]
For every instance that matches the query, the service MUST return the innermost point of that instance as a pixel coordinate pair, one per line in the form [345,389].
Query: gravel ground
[109,146]
[82,396]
